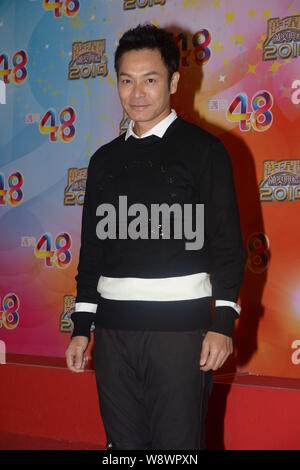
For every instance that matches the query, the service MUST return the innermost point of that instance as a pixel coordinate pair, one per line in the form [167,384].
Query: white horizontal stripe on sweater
[85,307]
[227,303]
[192,286]
[187,287]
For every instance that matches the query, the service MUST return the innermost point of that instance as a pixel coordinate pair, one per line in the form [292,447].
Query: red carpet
[51,408]
[9,441]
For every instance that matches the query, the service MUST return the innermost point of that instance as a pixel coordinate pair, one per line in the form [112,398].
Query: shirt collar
[159,129]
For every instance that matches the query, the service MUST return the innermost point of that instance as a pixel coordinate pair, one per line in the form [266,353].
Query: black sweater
[145,284]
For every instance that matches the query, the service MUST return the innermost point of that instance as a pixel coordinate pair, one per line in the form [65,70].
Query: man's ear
[174,82]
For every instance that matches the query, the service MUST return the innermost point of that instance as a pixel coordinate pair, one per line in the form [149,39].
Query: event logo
[60,256]
[65,128]
[18,67]
[15,194]
[281,181]
[295,358]
[71,7]
[132,4]
[258,245]
[88,60]
[200,41]
[124,123]
[283,38]
[295,95]
[9,316]
[261,117]
[65,325]
[75,189]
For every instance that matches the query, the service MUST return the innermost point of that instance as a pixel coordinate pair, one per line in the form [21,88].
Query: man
[149,297]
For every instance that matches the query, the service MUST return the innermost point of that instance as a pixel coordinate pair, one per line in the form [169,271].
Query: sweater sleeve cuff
[224,318]
[82,323]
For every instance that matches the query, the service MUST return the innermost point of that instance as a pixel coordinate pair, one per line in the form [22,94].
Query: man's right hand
[74,353]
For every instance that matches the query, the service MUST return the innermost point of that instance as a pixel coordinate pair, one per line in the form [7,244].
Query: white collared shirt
[159,129]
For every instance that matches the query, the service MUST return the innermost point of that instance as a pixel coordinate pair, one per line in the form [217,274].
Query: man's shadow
[246,184]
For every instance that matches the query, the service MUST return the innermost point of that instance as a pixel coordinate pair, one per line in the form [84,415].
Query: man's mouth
[138,106]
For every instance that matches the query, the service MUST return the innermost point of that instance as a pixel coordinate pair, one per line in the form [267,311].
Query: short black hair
[149,36]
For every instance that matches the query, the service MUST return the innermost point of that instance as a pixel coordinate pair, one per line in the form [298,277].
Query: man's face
[143,86]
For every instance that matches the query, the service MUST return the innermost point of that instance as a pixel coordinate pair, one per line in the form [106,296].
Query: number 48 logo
[71,7]
[261,118]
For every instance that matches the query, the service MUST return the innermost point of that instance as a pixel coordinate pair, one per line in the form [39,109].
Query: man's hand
[74,353]
[215,350]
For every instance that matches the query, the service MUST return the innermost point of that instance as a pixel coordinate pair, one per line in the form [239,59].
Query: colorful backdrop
[240,79]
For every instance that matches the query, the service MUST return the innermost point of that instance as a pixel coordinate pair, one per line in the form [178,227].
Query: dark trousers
[152,393]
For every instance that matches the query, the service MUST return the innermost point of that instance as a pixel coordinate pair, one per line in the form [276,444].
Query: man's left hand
[216,348]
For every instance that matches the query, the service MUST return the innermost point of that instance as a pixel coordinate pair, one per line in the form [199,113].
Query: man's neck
[140,128]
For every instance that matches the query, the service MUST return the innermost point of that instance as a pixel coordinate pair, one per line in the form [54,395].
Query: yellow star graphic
[263,37]
[111,80]
[252,13]
[229,16]
[239,38]
[226,61]
[259,45]
[275,66]
[76,22]
[217,46]
[217,4]
[251,68]
[267,13]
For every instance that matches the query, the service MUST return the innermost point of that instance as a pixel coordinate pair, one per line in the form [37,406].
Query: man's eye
[125,81]
[151,80]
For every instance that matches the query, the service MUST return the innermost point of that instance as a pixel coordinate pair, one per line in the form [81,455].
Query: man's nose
[138,90]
